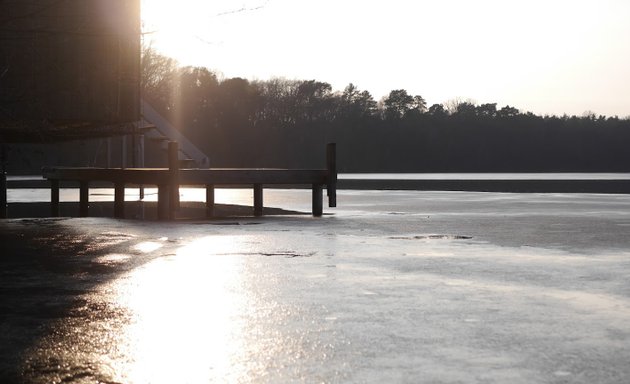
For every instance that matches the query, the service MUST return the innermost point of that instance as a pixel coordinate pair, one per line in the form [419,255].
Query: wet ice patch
[112,238]
[112,259]
[287,254]
[432,237]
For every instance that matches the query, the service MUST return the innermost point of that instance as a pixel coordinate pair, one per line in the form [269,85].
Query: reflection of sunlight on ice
[147,246]
[185,309]
[221,195]
[112,258]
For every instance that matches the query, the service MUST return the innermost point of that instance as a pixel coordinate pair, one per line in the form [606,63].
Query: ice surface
[407,286]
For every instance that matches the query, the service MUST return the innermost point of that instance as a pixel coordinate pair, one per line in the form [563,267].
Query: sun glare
[190,30]
[184,308]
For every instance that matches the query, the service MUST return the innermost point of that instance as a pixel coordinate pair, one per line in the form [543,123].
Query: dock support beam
[318,200]
[3,195]
[3,184]
[210,200]
[84,197]
[119,200]
[331,166]
[162,203]
[54,198]
[173,165]
[258,199]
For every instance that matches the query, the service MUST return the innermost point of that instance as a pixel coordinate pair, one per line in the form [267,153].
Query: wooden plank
[156,176]
[252,176]
[151,176]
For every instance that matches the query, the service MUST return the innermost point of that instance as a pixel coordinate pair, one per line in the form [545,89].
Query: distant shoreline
[619,186]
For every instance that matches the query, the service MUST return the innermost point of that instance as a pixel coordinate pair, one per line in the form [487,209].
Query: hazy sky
[544,56]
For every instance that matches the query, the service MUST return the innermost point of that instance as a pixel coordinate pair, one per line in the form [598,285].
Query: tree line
[286,123]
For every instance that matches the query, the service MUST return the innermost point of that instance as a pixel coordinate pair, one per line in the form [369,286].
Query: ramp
[189,154]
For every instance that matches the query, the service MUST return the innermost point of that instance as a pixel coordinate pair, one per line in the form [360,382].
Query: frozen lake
[435,287]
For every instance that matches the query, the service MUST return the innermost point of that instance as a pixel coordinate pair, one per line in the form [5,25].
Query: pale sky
[543,56]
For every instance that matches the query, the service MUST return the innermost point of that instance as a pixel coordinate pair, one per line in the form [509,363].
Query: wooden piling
[3,195]
[3,183]
[163,202]
[258,199]
[318,200]
[210,200]
[119,200]
[84,196]
[173,166]
[54,198]
[331,167]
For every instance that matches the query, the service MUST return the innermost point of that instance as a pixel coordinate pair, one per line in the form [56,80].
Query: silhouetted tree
[356,104]
[237,103]
[280,122]
[487,110]
[397,104]
[313,101]
[508,111]
[437,110]
[158,77]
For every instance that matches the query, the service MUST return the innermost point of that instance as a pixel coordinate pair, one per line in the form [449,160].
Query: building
[69,69]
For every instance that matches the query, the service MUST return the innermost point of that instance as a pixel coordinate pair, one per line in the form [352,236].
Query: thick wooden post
[140,157]
[54,198]
[3,183]
[162,203]
[173,165]
[84,196]
[258,199]
[318,200]
[119,200]
[331,166]
[3,195]
[210,200]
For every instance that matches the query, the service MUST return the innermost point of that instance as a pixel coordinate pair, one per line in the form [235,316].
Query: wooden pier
[168,181]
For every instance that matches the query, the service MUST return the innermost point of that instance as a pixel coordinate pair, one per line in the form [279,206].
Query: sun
[195,31]
[172,26]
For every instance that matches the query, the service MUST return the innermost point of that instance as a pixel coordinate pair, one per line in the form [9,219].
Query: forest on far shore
[286,123]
